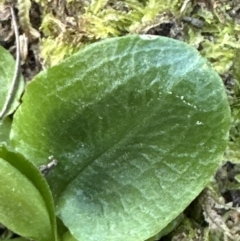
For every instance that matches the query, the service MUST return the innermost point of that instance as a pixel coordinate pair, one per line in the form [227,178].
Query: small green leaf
[138,125]
[26,205]
[7,69]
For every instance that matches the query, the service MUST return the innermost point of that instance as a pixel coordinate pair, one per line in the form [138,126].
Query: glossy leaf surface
[138,125]
[26,205]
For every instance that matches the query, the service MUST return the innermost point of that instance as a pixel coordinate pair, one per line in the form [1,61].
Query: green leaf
[5,127]
[138,125]
[17,239]
[68,237]
[7,69]
[26,205]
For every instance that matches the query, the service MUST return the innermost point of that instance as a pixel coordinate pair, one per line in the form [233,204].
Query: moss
[69,25]
[218,39]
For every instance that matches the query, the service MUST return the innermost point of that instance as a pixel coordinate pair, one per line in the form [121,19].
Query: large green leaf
[138,125]
[26,205]
[7,70]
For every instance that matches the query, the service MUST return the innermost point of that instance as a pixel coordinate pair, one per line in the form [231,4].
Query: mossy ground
[57,29]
